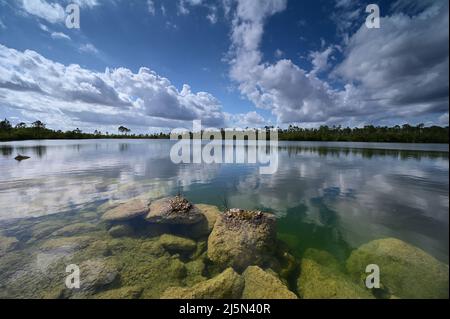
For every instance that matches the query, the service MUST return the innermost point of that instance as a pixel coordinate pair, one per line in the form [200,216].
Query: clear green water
[330,196]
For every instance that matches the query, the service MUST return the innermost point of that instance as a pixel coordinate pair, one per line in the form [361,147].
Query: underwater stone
[126,211]
[7,244]
[44,229]
[263,285]
[195,270]
[242,238]
[120,231]
[66,243]
[178,244]
[96,273]
[120,293]
[174,210]
[227,285]
[74,229]
[319,279]
[406,271]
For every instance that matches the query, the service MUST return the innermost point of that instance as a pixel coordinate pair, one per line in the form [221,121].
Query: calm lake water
[333,196]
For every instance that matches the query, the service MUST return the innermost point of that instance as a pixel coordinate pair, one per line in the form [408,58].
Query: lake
[325,195]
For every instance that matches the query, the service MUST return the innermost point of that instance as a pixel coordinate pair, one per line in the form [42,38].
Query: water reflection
[326,195]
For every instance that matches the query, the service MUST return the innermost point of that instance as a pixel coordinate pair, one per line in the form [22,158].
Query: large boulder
[126,211]
[405,271]
[264,285]
[320,278]
[227,285]
[242,238]
[174,211]
[7,244]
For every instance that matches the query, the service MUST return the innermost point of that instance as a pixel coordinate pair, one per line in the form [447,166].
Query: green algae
[405,271]
[143,260]
[260,284]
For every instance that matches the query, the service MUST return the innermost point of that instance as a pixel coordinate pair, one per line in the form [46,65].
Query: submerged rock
[97,273]
[227,285]
[319,279]
[126,211]
[120,293]
[122,230]
[405,271]
[242,238]
[195,271]
[66,243]
[263,285]
[74,229]
[7,244]
[44,229]
[177,244]
[174,210]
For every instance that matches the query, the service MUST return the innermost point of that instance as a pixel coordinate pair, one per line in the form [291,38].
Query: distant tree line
[400,134]
[38,130]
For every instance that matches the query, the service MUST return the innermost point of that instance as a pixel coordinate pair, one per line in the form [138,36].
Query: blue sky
[156,65]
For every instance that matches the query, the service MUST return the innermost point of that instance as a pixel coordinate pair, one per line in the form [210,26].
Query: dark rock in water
[405,271]
[227,285]
[126,211]
[21,157]
[242,238]
[174,210]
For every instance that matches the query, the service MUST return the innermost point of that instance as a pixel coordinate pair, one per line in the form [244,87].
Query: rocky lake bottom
[172,248]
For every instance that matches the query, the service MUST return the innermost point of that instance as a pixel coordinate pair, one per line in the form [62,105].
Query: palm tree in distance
[123,129]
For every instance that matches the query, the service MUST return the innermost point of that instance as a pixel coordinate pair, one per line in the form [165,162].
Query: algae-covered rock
[227,285]
[177,244]
[242,238]
[406,271]
[66,243]
[319,279]
[120,293]
[74,229]
[97,273]
[263,285]
[145,263]
[195,271]
[175,211]
[323,258]
[126,211]
[122,230]
[7,244]
[44,229]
